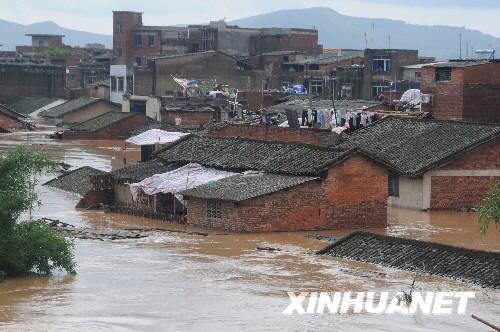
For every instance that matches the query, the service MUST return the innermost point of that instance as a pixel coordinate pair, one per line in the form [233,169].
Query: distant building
[462,90]
[40,42]
[10,120]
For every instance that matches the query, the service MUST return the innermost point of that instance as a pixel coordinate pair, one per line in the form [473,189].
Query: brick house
[108,126]
[438,164]
[79,110]
[10,120]
[463,90]
[308,187]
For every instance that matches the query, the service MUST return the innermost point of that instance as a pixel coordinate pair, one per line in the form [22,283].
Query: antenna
[460,38]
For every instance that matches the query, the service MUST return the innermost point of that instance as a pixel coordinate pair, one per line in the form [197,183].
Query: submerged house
[10,120]
[438,164]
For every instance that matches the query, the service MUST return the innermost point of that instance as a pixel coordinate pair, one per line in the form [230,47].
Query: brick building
[305,186]
[40,42]
[79,110]
[463,90]
[28,79]
[109,126]
[10,120]
[438,164]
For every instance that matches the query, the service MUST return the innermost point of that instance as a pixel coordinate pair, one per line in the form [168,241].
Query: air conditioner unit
[426,98]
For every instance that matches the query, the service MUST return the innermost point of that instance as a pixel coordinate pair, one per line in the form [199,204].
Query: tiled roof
[12,114]
[140,171]
[474,266]
[246,154]
[69,106]
[102,121]
[27,105]
[299,104]
[242,187]
[76,181]
[414,146]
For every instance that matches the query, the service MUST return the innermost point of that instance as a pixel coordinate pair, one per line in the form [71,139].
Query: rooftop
[76,181]
[300,104]
[246,154]
[140,171]
[11,113]
[43,35]
[414,146]
[242,187]
[459,63]
[69,106]
[27,105]
[102,121]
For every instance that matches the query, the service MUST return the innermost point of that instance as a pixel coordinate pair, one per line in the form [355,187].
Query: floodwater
[179,282]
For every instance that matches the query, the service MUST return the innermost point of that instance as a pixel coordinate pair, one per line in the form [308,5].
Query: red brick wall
[353,195]
[194,118]
[8,123]
[117,131]
[465,192]
[273,133]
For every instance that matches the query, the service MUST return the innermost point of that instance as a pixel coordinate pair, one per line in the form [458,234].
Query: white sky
[95,15]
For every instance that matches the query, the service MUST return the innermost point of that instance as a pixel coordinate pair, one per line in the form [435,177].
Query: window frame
[386,64]
[151,40]
[214,210]
[443,74]
[393,184]
[120,84]
[137,40]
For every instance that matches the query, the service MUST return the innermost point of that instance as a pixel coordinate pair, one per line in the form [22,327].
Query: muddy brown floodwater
[219,282]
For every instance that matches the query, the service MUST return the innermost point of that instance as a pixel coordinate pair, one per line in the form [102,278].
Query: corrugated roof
[242,187]
[102,121]
[245,154]
[76,181]
[474,266]
[27,105]
[414,146]
[69,106]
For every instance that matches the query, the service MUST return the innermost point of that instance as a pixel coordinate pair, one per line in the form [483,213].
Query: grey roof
[140,171]
[12,114]
[102,121]
[414,146]
[69,106]
[27,105]
[459,64]
[76,181]
[300,104]
[479,267]
[246,154]
[242,187]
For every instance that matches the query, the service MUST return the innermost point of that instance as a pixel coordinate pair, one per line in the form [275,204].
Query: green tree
[29,246]
[489,211]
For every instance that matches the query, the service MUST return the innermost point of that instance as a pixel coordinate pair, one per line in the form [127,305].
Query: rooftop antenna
[366,40]
[389,41]
[460,38]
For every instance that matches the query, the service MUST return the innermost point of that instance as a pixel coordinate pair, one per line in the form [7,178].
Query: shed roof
[27,105]
[69,106]
[414,146]
[102,121]
[233,153]
[245,186]
[76,181]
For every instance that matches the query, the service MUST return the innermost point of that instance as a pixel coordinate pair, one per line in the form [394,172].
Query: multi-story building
[40,42]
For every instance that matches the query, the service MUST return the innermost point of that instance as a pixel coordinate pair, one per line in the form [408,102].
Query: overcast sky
[95,15]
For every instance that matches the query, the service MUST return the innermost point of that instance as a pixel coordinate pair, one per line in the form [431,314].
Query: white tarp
[411,96]
[187,177]
[154,136]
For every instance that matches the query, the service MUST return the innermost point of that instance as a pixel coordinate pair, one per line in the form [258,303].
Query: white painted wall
[410,193]
[116,71]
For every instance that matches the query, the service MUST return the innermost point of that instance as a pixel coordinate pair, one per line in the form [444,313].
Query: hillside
[12,34]
[342,31]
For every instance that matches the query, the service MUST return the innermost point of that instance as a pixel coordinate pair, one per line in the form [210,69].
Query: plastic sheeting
[154,136]
[187,177]
[411,97]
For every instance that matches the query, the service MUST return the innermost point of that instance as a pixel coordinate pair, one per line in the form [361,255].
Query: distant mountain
[12,34]
[342,31]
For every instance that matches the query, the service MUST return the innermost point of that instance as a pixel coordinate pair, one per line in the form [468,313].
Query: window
[119,27]
[346,91]
[393,184]
[213,209]
[120,84]
[378,87]
[316,87]
[138,61]
[443,74]
[130,84]
[381,64]
[119,51]
[91,77]
[113,83]
[137,40]
[151,40]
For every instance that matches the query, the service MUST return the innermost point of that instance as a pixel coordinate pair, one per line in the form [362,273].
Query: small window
[151,40]
[213,209]
[393,184]
[113,83]
[138,61]
[119,27]
[119,51]
[316,87]
[443,74]
[120,84]
[130,84]
[381,64]
[378,87]
[137,40]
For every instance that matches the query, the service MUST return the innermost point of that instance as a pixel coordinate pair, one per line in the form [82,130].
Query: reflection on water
[178,282]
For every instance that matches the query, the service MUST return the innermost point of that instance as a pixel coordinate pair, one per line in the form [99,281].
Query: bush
[489,211]
[27,246]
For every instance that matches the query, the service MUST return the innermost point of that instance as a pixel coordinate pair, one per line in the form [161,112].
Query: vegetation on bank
[489,211]
[27,246]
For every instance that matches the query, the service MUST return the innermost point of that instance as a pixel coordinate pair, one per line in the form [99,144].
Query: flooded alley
[176,281]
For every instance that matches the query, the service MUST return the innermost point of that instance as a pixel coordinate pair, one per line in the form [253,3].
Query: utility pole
[389,41]
[460,38]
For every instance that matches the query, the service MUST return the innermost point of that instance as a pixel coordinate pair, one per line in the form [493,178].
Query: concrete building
[462,90]
[40,42]
[437,164]
[383,66]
